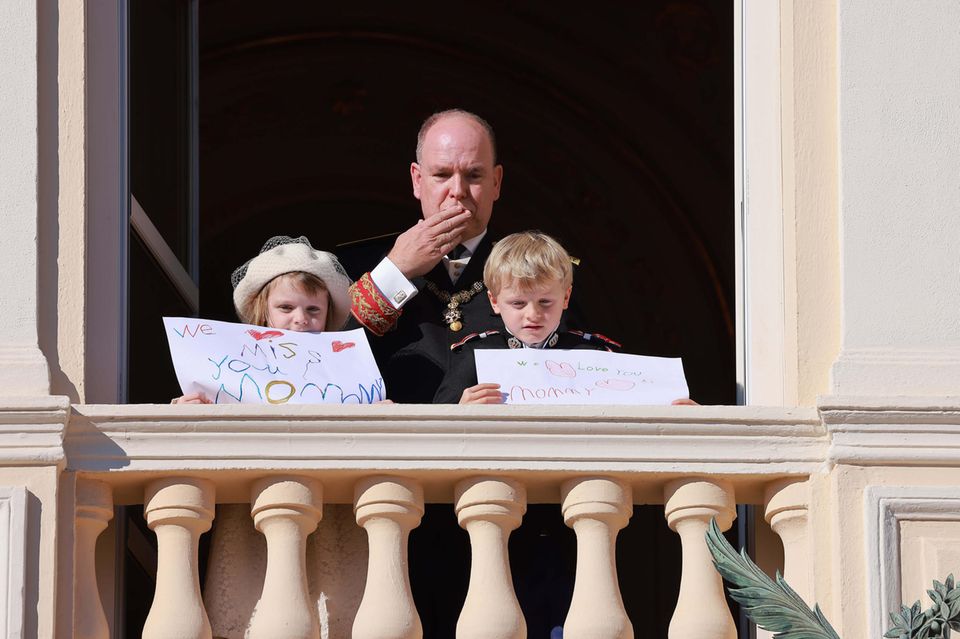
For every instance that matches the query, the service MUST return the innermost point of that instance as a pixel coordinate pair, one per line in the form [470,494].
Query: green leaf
[771,604]
[954,604]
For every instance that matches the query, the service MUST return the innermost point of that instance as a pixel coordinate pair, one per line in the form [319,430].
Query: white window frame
[112,211]
[766,324]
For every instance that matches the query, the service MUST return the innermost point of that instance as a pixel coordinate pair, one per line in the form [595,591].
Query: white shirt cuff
[392,283]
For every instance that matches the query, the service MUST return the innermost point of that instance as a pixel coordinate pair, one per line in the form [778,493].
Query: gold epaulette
[471,337]
[370,307]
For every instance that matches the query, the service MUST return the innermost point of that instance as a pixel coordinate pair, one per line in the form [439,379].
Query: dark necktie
[456,262]
[457,252]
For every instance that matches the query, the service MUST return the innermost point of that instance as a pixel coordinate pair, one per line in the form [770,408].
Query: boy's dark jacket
[462,372]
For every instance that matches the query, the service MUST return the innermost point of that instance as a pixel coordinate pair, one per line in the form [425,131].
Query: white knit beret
[282,254]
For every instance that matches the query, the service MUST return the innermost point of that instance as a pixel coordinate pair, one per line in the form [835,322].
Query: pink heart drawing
[338,346]
[259,335]
[560,369]
[616,384]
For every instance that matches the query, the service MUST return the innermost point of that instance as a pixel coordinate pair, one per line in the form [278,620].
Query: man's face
[531,314]
[456,171]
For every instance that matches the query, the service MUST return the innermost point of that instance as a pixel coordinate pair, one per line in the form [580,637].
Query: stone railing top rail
[441,444]
[647,446]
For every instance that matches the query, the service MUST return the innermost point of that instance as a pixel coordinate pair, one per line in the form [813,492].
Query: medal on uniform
[452,315]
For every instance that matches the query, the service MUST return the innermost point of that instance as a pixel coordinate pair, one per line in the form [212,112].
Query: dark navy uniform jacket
[463,368]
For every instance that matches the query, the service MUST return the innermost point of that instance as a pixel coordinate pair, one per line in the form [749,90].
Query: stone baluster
[286,510]
[787,508]
[93,510]
[388,508]
[596,508]
[178,510]
[489,508]
[701,611]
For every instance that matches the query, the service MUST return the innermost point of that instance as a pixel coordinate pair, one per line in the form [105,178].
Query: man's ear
[566,298]
[493,302]
[415,177]
[497,181]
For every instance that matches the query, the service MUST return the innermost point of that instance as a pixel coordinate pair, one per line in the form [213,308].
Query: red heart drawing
[259,335]
[560,369]
[616,384]
[341,346]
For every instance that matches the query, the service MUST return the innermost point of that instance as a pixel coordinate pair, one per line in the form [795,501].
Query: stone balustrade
[286,509]
[488,464]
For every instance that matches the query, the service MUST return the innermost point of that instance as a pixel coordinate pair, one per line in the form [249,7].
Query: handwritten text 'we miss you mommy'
[239,363]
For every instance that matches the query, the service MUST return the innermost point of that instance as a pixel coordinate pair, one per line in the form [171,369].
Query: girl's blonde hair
[258,310]
[525,260]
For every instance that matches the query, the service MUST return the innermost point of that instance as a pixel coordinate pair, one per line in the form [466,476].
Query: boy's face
[531,315]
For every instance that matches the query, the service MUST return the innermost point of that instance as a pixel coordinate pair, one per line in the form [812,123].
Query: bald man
[428,292]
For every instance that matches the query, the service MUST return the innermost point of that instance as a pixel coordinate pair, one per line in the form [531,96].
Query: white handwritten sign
[534,376]
[243,364]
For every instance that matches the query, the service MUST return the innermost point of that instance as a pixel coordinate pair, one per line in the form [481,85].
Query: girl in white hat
[291,286]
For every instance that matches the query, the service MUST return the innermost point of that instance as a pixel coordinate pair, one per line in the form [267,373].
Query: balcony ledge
[661,442]
[124,443]
[892,431]
[32,430]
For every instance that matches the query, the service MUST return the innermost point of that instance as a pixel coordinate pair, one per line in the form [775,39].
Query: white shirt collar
[472,244]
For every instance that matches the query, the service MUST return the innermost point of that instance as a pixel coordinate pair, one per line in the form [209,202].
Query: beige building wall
[811,205]
[898,149]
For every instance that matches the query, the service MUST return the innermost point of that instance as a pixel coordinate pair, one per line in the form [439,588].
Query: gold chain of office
[452,315]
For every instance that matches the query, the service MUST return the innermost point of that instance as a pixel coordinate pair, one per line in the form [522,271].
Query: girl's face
[292,309]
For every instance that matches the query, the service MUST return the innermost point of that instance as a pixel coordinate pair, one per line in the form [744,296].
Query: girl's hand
[684,401]
[192,398]
[482,394]
[384,401]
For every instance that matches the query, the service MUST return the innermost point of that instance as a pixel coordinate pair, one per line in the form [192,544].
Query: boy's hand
[684,401]
[192,398]
[482,394]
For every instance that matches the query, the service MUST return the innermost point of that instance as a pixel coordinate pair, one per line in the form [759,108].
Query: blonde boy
[529,279]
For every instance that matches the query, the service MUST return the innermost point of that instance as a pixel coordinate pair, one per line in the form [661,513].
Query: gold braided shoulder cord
[452,315]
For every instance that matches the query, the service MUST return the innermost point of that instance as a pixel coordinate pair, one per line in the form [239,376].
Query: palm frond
[772,605]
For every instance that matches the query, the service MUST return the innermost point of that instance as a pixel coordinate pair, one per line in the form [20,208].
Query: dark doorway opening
[614,126]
